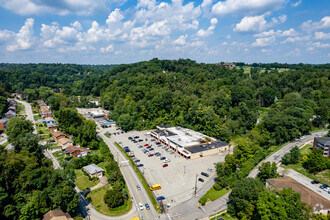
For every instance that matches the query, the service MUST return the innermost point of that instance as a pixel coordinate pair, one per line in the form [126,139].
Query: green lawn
[42,129]
[306,149]
[96,199]
[107,135]
[139,174]
[82,181]
[20,109]
[213,194]
[225,216]
[59,155]
[36,117]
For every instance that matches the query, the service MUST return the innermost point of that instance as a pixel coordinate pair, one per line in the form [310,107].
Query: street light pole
[184,169]
[196,185]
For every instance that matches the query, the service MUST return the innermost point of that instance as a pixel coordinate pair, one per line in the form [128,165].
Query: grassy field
[139,174]
[306,149]
[42,129]
[107,135]
[213,194]
[37,117]
[20,109]
[82,181]
[96,199]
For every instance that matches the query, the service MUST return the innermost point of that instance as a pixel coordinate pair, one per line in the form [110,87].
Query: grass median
[144,182]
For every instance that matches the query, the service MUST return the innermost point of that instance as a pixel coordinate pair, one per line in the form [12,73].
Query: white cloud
[6,35]
[279,33]
[282,18]
[107,49]
[321,45]
[322,36]
[264,42]
[296,4]
[311,26]
[233,6]
[266,51]
[295,39]
[60,7]
[24,38]
[181,41]
[209,31]
[255,23]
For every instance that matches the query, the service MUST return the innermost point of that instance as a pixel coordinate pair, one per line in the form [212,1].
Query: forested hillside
[209,98]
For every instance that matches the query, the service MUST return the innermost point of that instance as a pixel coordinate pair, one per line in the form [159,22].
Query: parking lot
[178,179]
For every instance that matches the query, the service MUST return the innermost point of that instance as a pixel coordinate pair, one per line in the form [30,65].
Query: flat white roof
[186,137]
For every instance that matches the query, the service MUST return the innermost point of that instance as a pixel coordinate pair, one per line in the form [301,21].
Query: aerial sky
[127,31]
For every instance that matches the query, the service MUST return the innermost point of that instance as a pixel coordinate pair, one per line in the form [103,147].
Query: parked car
[157,154]
[140,165]
[140,146]
[140,206]
[151,149]
[323,186]
[201,180]
[167,160]
[315,182]
[162,158]
[150,155]
[147,206]
[165,165]
[140,140]
[144,151]
[136,160]
[134,141]
[146,145]
[138,187]
[157,143]
[135,137]
[205,174]
[209,169]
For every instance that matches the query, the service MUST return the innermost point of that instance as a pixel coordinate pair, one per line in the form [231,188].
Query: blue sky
[126,31]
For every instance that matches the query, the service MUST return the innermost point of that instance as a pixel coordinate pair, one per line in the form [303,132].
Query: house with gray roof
[93,170]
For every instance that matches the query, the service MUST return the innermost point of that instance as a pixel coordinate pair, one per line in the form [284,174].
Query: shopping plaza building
[188,143]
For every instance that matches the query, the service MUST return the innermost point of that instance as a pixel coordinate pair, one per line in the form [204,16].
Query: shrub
[217,187]
[203,200]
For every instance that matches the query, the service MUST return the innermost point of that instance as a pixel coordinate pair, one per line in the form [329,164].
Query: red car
[150,155]
[146,145]
[165,165]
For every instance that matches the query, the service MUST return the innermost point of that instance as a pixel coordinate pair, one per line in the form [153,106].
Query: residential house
[65,142]
[76,151]
[94,171]
[50,120]
[57,215]
[52,126]
[43,109]
[12,108]
[318,202]
[3,123]
[324,144]
[46,114]
[10,114]
[58,135]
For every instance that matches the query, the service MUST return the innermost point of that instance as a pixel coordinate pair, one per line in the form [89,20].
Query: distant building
[10,114]
[46,114]
[50,120]
[324,144]
[76,151]
[57,215]
[228,65]
[52,126]
[318,202]
[188,143]
[97,114]
[93,170]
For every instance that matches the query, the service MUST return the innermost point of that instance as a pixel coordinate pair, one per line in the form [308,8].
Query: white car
[167,160]
[141,206]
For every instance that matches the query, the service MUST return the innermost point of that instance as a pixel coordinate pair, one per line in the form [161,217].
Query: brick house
[3,123]
[324,144]
[76,151]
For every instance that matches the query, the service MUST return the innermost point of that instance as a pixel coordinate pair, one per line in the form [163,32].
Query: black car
[323,186]
[134,141]
[140,140]
[201,180]
[205,174]
[315,182]
[158,143]
[162,158]
[136,137]
[147,206]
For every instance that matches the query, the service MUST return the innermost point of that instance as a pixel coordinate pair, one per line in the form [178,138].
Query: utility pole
[195,185]
[184,169]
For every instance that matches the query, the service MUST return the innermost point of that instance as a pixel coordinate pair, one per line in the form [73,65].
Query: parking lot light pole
[195,185]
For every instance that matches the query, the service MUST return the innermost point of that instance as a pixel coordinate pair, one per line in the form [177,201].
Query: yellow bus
[155,187]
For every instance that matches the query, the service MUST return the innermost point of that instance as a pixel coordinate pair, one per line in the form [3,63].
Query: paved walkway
[103,182]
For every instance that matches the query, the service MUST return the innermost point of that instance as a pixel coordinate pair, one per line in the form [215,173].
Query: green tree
[114,197]
[243,198]
[267,170]
[316,162]
[17,126]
